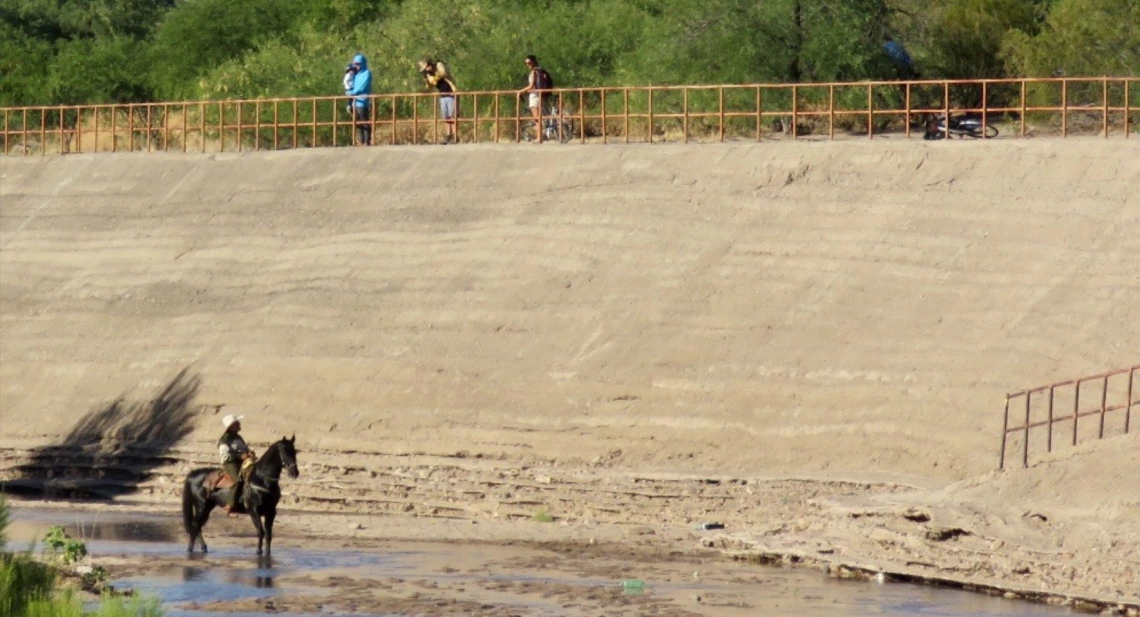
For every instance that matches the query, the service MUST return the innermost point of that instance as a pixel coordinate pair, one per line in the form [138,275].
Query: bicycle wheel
[976,131]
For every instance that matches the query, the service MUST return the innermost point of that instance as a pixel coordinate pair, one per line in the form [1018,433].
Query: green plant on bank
[63,547]
[67,604]
[3,522]
[542,516]
[28,588]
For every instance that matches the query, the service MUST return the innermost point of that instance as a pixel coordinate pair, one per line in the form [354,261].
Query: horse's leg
[256,516]
[203,516]
[189,513]
[270,514]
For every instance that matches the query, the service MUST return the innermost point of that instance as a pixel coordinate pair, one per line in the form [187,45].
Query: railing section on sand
[1019,107]
[1065,403]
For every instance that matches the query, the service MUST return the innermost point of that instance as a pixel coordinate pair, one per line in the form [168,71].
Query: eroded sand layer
[744,312]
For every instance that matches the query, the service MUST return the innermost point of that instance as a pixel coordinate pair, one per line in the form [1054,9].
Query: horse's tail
[188,507]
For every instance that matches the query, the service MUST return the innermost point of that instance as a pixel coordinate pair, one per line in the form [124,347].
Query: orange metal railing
[1056,106]
[1066,403]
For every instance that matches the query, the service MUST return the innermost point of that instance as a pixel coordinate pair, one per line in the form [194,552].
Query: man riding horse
[234,452]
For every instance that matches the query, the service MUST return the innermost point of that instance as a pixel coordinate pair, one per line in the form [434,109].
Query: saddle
[218,480]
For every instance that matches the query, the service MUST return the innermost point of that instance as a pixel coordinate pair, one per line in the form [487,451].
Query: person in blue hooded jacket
[361,104]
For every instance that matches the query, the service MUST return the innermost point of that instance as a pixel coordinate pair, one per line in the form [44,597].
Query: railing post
[759,115]
[946,107]
[1023,106]
[336,121]
[518,120]
[795,111]
[394,120]
[1076,409]
[415,120]
[315,139]
[257,125]
[605,134]
[831,111]
[114,131]
[650,114]
[295,127]
[474,119]
[685,114]
[625,112]
[581,115]
[1025,450]
[870,112]
[1105,84]
[96,123]
[202,118]
[985,106]
[496,117]
[372,119]
[276,122]
[62,113]
[24,132]
[906,107]
[1049,445]
[1064,108]
[222,124]
[1103,405]
[78,131]
[720,92]
[1127,106]
[1128,410]
[1004,434]
[130,128]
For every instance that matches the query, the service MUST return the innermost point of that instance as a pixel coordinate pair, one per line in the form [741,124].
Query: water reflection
[133,531]
[234,574]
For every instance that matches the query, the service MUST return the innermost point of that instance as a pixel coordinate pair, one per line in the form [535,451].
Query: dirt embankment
[623,315]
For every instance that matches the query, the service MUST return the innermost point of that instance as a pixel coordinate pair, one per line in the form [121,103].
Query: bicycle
[967,125]
[556,124]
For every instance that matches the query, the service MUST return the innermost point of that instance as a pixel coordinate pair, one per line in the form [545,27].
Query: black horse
[259,495]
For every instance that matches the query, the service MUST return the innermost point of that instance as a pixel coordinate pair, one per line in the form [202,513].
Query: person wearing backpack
[538,87]
[437,76]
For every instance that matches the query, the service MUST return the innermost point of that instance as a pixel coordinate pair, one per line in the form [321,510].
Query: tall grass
[28,589]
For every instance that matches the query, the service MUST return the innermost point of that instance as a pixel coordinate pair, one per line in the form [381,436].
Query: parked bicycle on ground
[965,125]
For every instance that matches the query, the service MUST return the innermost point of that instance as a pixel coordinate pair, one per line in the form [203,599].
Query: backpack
[542,79]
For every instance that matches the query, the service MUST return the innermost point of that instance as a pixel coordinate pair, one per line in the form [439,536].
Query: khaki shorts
[535,100]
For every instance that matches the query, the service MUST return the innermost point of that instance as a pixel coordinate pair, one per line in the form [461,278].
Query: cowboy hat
[229,420]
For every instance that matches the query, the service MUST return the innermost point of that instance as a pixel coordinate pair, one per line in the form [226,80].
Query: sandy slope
[860,306]
[741,310]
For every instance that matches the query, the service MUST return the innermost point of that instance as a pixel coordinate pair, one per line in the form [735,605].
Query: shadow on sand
[113,449]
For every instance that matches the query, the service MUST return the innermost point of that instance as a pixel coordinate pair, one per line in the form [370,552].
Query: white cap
[229,420]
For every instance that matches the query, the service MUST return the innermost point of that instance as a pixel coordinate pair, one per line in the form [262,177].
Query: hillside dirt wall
[627,315]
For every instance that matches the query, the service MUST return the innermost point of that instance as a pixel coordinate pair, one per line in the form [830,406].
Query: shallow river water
[147,553]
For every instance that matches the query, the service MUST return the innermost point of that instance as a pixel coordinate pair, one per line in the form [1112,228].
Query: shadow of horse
[259,496]
[113,449]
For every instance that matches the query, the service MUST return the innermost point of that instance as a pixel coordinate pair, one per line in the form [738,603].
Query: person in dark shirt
[437,76]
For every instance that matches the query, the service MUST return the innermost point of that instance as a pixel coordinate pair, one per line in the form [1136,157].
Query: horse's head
[289,455]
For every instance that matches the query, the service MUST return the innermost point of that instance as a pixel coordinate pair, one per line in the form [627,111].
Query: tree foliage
[1080,37]
[89,51]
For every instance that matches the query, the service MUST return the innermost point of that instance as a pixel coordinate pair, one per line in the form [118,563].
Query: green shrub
[62,546]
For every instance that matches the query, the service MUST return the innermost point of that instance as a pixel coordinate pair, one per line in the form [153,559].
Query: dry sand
[808,342]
